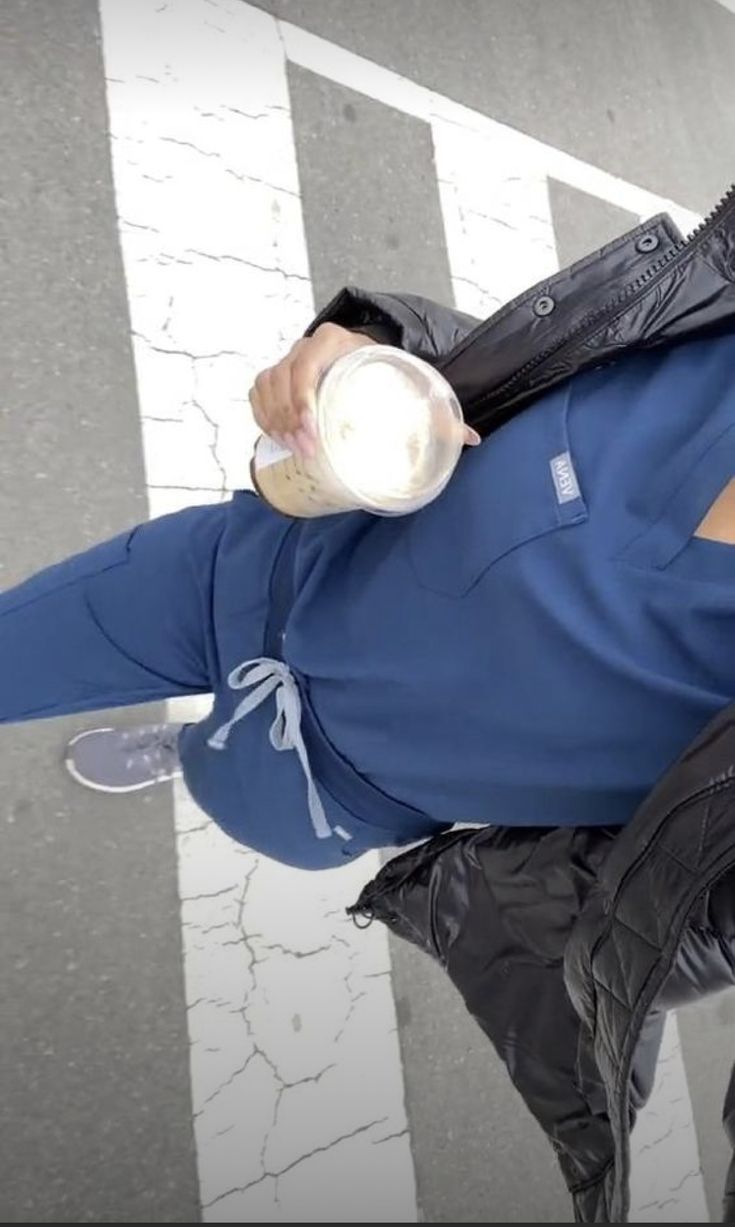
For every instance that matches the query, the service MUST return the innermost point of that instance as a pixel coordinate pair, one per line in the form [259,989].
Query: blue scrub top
[540,643]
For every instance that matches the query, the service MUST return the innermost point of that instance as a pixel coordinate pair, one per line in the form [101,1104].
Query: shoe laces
[154,745]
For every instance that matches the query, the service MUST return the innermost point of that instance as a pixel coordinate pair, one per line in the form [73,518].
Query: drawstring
[285,732]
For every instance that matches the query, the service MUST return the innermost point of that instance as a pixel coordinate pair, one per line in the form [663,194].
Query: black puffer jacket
[599,930]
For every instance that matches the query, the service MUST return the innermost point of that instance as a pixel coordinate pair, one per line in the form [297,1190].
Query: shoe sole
[110,788]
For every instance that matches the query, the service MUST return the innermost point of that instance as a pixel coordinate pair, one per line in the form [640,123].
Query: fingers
[309,362]
[307,365]
[282,415]
[283,398]
[283,394]
[270,401]
[255,396]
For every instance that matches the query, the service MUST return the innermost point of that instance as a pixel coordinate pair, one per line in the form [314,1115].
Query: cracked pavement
[295,1064]
[238,194]
[279,1008]
[288,1098]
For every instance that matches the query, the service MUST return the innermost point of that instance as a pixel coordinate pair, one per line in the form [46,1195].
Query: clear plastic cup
[390,432]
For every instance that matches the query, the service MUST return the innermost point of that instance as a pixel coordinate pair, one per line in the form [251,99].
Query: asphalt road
[94,1039]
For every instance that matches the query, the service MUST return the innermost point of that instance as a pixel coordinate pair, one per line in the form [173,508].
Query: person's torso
[539,643]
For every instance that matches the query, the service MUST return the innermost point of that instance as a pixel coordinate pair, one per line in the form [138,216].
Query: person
[571,943]
[532,648]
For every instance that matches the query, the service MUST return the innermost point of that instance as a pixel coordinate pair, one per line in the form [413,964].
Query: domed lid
[391,427]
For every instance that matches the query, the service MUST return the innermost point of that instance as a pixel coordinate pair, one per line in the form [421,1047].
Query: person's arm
[419,325]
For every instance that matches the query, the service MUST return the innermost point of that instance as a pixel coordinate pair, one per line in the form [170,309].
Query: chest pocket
[675,506]
[519,484]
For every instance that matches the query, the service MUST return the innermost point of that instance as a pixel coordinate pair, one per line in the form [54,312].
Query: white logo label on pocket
[565,479]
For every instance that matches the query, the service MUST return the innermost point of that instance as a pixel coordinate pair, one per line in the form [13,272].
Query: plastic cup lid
[390,426]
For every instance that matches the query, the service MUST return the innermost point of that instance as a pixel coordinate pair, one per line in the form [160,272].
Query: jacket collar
[649,287]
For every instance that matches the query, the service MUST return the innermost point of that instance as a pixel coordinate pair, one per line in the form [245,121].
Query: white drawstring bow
[285,732]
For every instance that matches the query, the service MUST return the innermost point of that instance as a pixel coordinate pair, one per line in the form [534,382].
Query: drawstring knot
[268,677]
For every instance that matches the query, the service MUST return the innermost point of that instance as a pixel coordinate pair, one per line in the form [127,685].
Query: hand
[283,396]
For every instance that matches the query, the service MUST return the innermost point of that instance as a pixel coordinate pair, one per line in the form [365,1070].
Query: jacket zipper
[641,285]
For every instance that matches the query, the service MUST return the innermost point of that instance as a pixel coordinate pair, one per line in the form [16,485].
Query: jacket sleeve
[421,327]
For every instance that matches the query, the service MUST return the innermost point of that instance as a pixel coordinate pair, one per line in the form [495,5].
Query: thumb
[471,437]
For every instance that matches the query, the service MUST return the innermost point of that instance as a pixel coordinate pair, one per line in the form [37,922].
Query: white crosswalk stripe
[297,1092]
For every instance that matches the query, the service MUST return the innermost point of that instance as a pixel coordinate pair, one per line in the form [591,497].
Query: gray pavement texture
[94,1111]
[707,1032]
[642,88]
